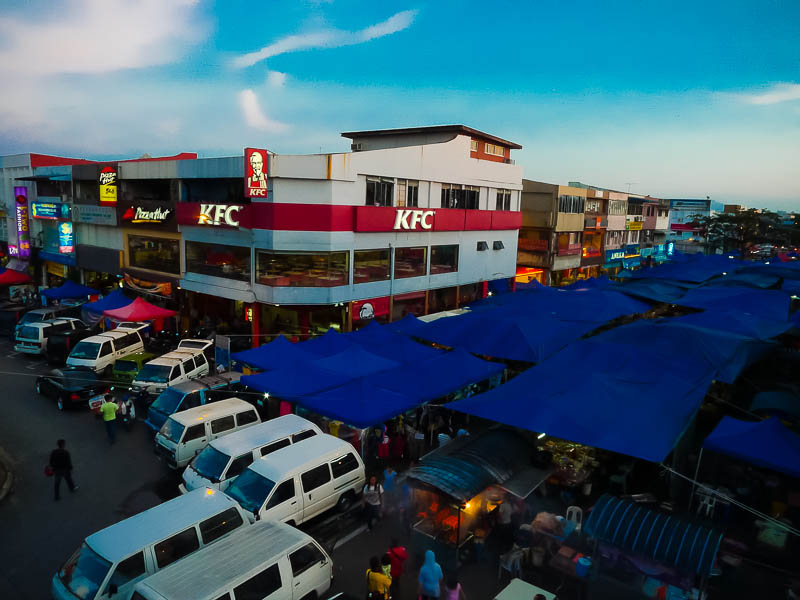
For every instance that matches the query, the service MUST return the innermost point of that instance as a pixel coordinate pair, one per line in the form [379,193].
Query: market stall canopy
[654,535]
[740,323]
[382,341]
[766,443]
[588,284]
[299,379]
[657,290]
[278,354]
[356,362]
[116,299]
[70,289]
[12,277]
[769,304]
[695,268]
[752,280]
[467,466]
[778,402]
[329,343]
[408,325]
[139,310]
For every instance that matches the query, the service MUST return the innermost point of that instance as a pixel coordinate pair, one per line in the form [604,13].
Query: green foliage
[739,231]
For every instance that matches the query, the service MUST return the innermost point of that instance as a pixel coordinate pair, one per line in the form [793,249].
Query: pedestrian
[389,486]
[373,501]
[398,555]
[109,410]
[378,584]
[430,578]
[61,463]
[453,589]
[386,565]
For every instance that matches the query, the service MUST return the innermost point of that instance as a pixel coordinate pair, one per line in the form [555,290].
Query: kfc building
[412,221]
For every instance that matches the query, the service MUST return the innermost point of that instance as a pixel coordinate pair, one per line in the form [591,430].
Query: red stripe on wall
[506,219]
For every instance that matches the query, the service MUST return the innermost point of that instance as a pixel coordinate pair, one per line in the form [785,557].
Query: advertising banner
[23,227]
[149,287]
[255,173]
[66,238]
[365,310]
[214,215]
[108,185]
[147,214]
[50,210]
[94,215]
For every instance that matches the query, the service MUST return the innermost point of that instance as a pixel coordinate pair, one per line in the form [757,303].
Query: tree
[740,230]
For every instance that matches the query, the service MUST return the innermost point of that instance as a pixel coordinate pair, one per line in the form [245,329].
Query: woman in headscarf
[430,577]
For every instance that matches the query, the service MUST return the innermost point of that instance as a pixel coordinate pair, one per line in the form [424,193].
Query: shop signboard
[147,214]
[214,215]
[633,225]
[163,288]
[413,219]
[94,215]
[23,227]
[612,255]
[366,310]
[255,172]
[632,250]
[50,210]
[646,251]
[66,238]
[108,185]
[670,248]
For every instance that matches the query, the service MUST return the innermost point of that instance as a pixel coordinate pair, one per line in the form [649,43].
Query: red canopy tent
[12,277]
[140,310]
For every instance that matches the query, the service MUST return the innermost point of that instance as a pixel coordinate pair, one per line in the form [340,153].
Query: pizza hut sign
[413,219]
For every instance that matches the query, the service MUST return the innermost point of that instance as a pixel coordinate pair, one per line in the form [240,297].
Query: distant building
[732,209]
[684,233]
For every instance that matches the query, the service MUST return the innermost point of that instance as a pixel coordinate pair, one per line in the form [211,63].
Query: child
[453,589]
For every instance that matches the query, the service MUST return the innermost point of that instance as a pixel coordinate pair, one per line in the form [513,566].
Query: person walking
[373,501]
[109,410]
[389,476]
[453,590]
[398,555]
[430,577]
[61,463]
[378,584]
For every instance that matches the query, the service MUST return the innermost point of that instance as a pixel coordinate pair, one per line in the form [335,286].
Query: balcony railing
[533,245]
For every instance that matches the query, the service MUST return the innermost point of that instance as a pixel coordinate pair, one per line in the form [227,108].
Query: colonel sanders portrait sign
[255,173]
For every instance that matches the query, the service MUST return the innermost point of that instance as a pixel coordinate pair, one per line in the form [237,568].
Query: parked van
[110,562]
[171,369]
[32,338]
[38,315]
[186,433]
[301,481]
[191,394]
[265,560]
[126,369]
[60,344]
[224,459]
[207,346]
[101,351]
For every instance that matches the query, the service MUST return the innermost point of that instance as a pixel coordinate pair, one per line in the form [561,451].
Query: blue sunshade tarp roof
[603,407]
[767,443]
[329,343]
[356,362]
[658,290]
[70,289]
[779,402]
[753,280]
[695,268]
[278,354]
[739,323]
[646,532]
[304,378]
[382,341]
[116,299]
[408,325]
[770,304]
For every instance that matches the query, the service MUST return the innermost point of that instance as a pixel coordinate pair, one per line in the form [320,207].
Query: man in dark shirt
[61,463]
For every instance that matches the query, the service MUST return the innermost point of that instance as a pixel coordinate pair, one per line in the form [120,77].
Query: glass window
[154,373]
[218,525]
[245,418]
[412,194]
[129,569]
[305,558]
[410,262]
[176,547]
[260,586]
[172,430]
[306,269]
[210,463]
[283,492]
[230,262]
[303,435]
[156,254]
[503,200]
[473,145]
[344,465]
[315,477]
[270,448]
[370,265]
[84,572]
[195,432]
[458,196]
[250,490]
[444,259]
[223,424]
[239,465]
[380,191]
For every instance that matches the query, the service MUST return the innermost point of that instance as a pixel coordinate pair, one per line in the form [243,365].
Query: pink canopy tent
[12,277]
[140,310]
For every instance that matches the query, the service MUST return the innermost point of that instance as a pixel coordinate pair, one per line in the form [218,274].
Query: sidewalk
[6,475]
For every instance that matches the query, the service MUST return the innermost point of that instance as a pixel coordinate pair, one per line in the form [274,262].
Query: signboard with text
[94,215]
[23,227]
[66,238]
[50,210]
[255,172]
[152,214]
[108,185]
[214,215]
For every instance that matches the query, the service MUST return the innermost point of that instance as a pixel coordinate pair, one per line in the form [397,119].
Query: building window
[503,200]
[371,265]
[594,206]
[633,237]
[495,150]
[634,209]
[473,145]
[444,259]
[230,262]
[407,193]
[380,191]
[303,269]
[155,254]
[469,293]
[571,204]
[458,196]
[617,207]
[410,262]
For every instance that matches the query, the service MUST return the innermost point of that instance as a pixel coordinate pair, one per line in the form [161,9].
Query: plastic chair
[575,514]
[511,562]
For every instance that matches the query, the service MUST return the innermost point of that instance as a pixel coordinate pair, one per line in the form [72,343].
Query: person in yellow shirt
[378,583]
[109,410]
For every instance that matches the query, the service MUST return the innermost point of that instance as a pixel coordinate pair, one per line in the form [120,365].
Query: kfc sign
[413,219]
[255,173]
[219,214]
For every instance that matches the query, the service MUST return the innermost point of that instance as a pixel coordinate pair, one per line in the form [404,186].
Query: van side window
[316,477]
[343,465]
[222,424]
[176,547]
[239,465]
[195,432]
[188,366]
[269,448]
[218,525]
[303,435]
[305,558]
[105,349]
[130,568]
[174,373]
[245,418]
[260,586]
[283,492]
[190,401]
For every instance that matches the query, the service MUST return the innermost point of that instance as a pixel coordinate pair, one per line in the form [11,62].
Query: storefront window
[442,299]
[408,304]
[303,269]
[469,293]
[410,262]
[444,259]
[230,262]
[370,265]
[156,254]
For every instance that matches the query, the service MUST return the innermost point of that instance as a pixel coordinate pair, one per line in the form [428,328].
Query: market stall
[141,310]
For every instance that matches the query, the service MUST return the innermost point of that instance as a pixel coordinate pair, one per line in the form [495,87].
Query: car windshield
[28,333]
[172,430]
[167,401]
[75,380]
[210,463]
[31,317]
[191,344]
[86,350]
[126,365]
[250,490]
[154,373]
[84,572]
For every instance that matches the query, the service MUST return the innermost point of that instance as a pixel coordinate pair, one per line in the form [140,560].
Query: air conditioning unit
[357,147]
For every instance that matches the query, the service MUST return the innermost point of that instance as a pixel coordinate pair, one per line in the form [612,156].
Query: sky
[674,99]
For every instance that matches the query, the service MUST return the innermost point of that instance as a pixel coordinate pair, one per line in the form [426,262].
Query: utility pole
[630,183]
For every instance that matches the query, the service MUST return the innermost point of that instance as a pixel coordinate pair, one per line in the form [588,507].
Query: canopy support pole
[694,479]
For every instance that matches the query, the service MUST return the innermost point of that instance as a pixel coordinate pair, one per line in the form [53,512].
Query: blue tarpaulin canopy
[327,344]
[408,325]
[302,378]
[697,268]
[382,341]
[280,353]
[116,299]
[663,538]
[739,323]
[770,304]
[753,280]
[777,402]
[70,289]
[658,290]
[768,444]
[355,362]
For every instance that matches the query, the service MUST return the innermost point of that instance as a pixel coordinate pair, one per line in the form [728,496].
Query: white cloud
[276,79]
[254,116]
[779,92]
[330,38]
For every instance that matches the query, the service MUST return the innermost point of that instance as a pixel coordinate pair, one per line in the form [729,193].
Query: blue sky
[676,98]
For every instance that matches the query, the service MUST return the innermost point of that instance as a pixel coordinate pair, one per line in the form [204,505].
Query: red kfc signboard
[255,173]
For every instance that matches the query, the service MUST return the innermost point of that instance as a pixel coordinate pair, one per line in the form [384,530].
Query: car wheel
[60,403]
[345,501]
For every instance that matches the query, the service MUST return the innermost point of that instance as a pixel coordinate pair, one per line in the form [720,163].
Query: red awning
[12,277]
[138,310]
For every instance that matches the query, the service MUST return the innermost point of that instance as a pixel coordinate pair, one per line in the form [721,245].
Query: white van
[110,562]
[100,352]
[265,560]
[187,432]
[301,481]
[171,369]
[32,338]
[224,459]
